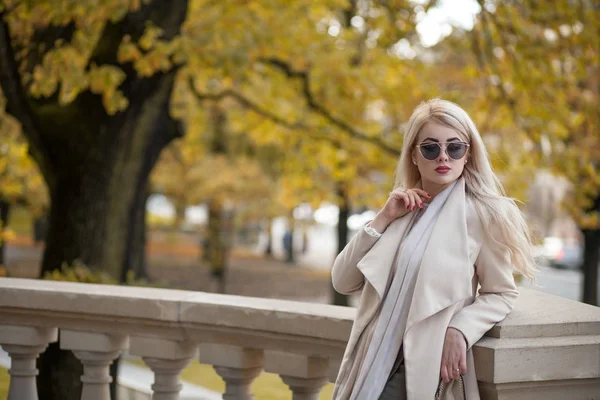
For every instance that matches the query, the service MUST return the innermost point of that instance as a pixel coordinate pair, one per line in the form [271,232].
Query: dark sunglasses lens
[430,151]
[456,151]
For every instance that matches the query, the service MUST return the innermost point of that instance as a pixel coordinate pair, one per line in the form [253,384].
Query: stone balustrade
[548,347]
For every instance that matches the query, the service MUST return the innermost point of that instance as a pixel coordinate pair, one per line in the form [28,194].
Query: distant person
[288,246]
[446,228]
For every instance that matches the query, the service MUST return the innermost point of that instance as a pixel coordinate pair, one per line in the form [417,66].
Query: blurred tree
[540,63]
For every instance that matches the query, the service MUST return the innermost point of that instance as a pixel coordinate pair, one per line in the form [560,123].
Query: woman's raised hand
[400,202]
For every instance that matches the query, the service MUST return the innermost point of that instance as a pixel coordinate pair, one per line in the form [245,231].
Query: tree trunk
[269,232]
[590,266]
[135,253]
[97,216]
[216,243]
[4,213]
[591,247]
[591,239]
[96,167]
[342,238]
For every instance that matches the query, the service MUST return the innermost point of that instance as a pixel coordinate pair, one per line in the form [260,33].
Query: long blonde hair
[495,209]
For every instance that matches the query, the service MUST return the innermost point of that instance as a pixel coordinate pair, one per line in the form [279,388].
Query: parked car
[560,254]
[569,256]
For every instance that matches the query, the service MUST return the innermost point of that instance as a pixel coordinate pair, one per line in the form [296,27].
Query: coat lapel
[444,275]
[377,264]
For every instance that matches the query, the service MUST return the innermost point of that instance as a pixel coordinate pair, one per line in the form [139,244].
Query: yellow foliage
[79,272]
[7,234]
[540,89]
[19,176]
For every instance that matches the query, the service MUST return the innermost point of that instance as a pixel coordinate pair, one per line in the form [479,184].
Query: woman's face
[437,167]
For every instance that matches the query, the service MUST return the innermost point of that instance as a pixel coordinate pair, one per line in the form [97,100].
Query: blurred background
[235,146]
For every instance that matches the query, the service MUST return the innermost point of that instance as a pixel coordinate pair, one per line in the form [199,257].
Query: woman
[446,228]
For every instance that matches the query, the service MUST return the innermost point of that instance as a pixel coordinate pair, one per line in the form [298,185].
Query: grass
[266,386]
[3,383]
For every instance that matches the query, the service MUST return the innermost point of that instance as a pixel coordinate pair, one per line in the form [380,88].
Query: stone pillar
[238,366]
[24,344]
[166,358]
[304,375]
[96,351]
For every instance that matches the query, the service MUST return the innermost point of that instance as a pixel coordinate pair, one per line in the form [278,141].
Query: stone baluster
[24,344]
[304,375]
[166,358]
[96,351]
[238,366]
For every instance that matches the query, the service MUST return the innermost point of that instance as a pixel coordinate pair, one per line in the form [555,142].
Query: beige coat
[457,259]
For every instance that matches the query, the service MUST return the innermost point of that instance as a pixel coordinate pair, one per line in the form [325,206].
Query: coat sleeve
[497,293]
[345,276]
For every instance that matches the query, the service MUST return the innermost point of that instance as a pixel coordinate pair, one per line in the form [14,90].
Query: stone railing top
[538,314]
[174,313]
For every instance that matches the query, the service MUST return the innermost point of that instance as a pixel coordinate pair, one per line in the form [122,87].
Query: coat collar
[443,278]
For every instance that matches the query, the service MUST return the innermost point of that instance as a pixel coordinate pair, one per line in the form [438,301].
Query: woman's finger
[418,200]
[422,193]
[453,365]
[413,199]
[445,377]
[455,371]
[463,363]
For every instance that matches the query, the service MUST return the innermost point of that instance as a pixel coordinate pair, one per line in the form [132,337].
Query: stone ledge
[532,360]
[537,314]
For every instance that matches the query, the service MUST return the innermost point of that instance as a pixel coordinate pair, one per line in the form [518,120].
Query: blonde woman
[446,229]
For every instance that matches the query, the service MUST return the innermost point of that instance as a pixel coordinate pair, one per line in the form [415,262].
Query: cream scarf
[391,323]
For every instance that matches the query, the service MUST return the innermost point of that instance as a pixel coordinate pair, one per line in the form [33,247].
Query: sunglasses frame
[445,149]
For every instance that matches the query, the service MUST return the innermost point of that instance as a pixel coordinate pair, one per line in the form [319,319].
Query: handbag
[454,390]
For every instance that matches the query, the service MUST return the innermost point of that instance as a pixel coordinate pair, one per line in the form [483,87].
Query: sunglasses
[431,150]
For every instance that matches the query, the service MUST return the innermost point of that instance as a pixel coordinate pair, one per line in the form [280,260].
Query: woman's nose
[443,155]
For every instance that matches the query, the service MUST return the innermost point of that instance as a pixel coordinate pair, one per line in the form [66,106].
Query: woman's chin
[441,179]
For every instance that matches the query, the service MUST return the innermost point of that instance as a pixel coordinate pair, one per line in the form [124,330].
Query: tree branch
[249,104]
[11,9]
[244,101]
[312,103]
[18,106]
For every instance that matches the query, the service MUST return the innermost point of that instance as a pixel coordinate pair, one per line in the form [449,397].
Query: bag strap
[441,385]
